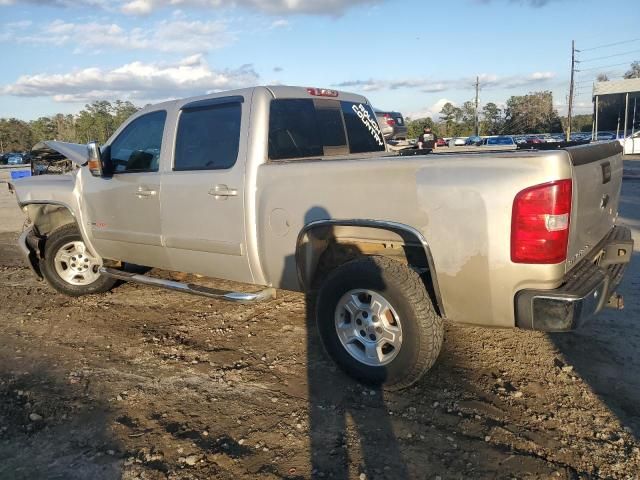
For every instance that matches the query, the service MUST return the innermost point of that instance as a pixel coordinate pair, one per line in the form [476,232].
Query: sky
[410,56]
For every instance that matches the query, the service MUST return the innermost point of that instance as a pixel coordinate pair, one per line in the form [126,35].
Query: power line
[571,88]
[591,77]
[609,45]
[609,56]
[602,66]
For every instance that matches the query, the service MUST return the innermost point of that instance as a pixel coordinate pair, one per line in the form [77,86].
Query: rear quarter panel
[461,204]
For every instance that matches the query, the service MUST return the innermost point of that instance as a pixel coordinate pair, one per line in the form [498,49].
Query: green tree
[580,123]
[44,128]
[15,135]
[416,127]
[468,115]
[492,119]
[451,116]
[121,111]
[65,128]
[100,119]
[634,71]
[94,122]
[97,121]
[531,113]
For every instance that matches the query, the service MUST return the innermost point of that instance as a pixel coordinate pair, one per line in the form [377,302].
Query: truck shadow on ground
[336,402]
[606,351]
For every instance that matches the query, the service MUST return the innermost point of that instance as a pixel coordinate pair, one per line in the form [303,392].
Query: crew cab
[292,188]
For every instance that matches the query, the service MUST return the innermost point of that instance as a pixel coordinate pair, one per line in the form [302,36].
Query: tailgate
[597,179]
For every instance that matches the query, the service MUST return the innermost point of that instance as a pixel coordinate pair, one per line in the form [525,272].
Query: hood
[76,152]
[43,188]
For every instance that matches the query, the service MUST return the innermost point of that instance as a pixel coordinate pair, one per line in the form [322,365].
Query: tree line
[97,121]
[531,113]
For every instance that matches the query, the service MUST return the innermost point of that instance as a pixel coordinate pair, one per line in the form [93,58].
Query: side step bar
[268,293]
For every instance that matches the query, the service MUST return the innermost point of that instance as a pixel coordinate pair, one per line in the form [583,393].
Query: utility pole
[476,129]
[571,85]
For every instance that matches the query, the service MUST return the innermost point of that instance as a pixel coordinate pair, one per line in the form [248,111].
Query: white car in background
[457,141]
[631,144]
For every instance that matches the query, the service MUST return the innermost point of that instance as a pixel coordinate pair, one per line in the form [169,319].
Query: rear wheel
[69,267]
[376,320]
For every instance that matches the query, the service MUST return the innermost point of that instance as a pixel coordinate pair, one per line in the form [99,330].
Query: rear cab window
[307,128]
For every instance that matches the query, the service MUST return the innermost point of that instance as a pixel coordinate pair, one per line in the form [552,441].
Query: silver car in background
[392,125]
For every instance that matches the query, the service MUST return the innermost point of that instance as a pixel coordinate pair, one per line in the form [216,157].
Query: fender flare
[34,247]
[381,224]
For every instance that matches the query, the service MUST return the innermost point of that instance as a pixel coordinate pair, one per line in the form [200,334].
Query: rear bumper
[395,132]
[585,291]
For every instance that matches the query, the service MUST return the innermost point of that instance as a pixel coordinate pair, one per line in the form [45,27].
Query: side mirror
[97,164]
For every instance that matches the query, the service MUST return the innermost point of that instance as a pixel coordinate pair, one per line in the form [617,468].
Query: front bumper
[30,248]
[585,291]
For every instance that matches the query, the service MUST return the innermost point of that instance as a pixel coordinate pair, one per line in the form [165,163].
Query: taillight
[390,121]
[540,223]
[322,92]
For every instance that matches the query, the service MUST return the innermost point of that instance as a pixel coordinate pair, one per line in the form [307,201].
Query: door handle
[145,192]
[221,192]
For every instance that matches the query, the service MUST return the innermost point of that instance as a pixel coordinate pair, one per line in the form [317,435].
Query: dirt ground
[143,383]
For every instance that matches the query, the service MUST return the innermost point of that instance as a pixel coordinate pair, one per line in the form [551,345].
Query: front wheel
[69,267]
[376,320]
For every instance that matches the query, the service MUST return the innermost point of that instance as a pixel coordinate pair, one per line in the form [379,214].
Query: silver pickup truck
[292,188]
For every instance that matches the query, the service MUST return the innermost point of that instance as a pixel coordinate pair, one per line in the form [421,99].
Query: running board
[268,293]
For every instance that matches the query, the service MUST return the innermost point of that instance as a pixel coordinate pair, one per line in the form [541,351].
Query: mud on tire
[348,300]
[68,268]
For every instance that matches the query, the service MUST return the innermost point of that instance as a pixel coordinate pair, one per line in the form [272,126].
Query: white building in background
[617,108]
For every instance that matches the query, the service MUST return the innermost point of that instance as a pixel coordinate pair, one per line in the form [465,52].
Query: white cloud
[134,81]
[19,24]
[280,23]
[530,3]
[373,85]
[433,86]
[432,111]
[515,81]
[273,7]
[177,35]
[138,7]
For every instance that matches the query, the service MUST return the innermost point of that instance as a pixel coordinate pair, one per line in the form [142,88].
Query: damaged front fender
[29,244]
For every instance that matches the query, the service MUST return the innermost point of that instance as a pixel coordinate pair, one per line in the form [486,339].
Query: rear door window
[293,130]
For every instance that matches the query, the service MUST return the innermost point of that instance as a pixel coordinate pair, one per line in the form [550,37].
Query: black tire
[402,287]
[54,242]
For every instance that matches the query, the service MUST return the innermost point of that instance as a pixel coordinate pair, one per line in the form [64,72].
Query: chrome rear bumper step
[268,293]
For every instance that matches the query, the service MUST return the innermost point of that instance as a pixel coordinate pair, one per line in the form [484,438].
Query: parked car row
[477,141]
[15,158]
[394,128]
